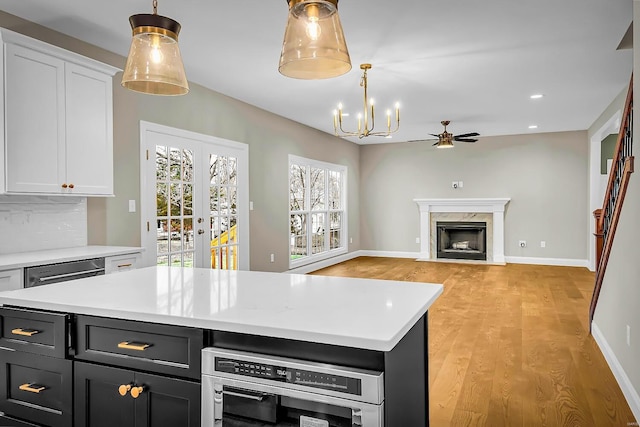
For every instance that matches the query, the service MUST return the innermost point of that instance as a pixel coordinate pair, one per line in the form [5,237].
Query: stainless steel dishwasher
[63,271]
[241,389]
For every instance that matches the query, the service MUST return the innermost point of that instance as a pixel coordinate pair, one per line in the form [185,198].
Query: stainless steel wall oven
[241,389]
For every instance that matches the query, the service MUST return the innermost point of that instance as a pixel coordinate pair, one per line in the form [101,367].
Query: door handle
[200,220]
[25,332]
[201,231]
[32,387]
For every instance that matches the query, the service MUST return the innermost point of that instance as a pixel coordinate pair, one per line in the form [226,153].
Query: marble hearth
[490,211]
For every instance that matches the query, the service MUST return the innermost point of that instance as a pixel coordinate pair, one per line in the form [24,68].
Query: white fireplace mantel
[495,206]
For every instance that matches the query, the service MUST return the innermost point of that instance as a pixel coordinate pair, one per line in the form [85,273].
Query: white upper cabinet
[58,120]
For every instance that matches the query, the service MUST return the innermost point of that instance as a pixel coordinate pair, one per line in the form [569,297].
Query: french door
[195,202]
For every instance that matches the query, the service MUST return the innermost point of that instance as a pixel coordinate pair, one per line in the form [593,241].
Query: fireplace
[461,240]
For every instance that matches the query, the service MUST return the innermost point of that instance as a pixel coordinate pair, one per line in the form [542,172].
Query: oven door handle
[244,396]
[75,273]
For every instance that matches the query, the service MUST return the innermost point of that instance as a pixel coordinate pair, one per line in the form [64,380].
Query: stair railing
[607,217]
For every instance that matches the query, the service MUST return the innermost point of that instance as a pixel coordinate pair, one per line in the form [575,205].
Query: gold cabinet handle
[132,345]
[124,389]
[25,332]
[64,185]
[32,387]
[124,265]
[136,391]
[71,185]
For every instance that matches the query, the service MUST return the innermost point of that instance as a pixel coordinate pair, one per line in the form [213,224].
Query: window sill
[317,257]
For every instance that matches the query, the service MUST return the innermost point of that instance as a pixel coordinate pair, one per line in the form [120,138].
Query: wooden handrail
[607,218]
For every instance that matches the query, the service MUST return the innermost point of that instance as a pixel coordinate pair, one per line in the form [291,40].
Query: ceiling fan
[445,139]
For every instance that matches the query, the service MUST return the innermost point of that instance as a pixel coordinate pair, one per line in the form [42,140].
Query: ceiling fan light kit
[365,126]
[314,46]
[154,65]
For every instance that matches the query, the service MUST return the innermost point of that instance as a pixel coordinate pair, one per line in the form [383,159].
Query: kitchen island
[361,323]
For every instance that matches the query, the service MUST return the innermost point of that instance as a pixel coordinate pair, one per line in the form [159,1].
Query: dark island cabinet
[106,397]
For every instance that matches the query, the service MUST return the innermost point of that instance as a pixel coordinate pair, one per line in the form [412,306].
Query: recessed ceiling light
[533,127]
[536,96]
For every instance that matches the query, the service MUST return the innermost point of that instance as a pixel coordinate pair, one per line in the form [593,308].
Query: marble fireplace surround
[487,210]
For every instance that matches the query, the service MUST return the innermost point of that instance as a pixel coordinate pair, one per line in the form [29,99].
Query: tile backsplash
[32,223]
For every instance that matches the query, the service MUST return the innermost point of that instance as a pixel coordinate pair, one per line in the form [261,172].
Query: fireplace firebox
[461,240]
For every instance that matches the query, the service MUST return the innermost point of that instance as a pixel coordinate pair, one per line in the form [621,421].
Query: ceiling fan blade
[465,135]
[466,139]
[436,144]
[433,134]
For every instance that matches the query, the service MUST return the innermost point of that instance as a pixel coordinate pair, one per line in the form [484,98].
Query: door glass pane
[175,160]
[223,172]
[233,171]
[187,165]
[188,199]
[188,234]
[162,199]
[213,169]
[161,163]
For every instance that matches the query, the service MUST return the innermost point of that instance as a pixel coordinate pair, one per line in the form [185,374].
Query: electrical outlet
[454,184]
[543,244]
[273,257]
[628,336]
[522,243]
[350,239]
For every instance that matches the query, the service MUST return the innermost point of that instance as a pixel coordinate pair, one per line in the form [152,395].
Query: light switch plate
[132,205]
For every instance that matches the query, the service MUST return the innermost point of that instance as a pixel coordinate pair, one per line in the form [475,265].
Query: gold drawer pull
[132,345]
[124,265]
[136,391]
[25,332]
[32,387]
[124,389]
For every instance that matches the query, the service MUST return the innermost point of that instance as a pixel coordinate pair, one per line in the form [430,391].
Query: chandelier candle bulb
[389,119]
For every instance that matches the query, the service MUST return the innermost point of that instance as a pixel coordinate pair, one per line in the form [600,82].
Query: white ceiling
[472,62]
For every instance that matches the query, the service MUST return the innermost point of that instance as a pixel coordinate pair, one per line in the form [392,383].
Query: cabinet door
[89,131]
[167,402]
[11,280]
[34,110]
[97,401]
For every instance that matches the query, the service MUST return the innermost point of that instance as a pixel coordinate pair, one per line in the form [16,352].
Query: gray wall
[619,302]
[545,175]
[271,139]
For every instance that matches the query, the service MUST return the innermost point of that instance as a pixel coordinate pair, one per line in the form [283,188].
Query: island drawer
[33,331]
[165,349]
[36,388]
[6,421]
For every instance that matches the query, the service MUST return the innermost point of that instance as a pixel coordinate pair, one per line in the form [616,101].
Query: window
[317,210]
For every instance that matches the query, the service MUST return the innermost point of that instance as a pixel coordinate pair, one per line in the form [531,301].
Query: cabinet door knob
[123,389]
[136,391]
[64,185]
[71,185]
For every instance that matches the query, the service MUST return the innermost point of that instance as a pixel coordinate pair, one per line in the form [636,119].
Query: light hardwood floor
[508,345]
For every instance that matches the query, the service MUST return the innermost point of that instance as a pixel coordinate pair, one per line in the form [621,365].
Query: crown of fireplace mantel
[463,205]
[494,206]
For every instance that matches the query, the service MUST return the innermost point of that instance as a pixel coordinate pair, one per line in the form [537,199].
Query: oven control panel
[289,375]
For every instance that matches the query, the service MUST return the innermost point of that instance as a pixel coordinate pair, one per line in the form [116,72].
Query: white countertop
[28,259]
[361,313]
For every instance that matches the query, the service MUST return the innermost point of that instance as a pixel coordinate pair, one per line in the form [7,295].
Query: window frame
[311,258]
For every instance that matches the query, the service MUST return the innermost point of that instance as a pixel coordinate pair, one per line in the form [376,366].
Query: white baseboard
[390,254]
[623,380]
[324,263]
[565,262]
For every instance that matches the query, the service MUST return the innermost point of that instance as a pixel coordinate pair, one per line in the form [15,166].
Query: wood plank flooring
[508,345]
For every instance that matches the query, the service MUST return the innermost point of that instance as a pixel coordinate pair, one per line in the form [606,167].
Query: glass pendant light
[154,65]
[314,45]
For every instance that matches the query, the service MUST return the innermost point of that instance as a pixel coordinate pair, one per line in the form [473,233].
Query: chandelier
[366,119]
